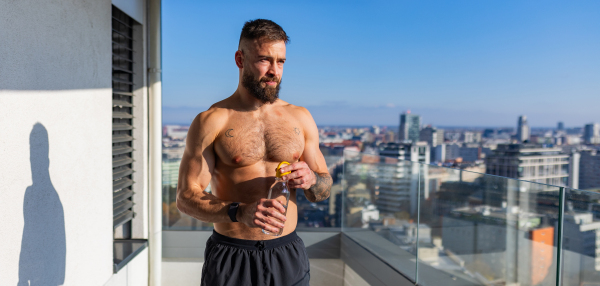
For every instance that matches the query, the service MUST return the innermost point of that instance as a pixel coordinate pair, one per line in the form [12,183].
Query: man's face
[263,67]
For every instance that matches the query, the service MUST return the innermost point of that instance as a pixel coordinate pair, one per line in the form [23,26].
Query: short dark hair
[256,29]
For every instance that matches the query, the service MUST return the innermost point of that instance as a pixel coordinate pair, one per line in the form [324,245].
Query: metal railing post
[418,221]
[559,236]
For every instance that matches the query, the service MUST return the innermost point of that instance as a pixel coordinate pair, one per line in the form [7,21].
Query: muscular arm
[197,164]
[317,186]
[320,191]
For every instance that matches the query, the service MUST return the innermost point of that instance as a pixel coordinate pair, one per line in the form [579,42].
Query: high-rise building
[589,171]
[471,137]
[477,137]
[584,238]
[522,129]
[531,162]
[560,126]
[375,129]
[591,133]
[397,184]
[432,136]
[439,153]
[390,136]
[468,137]
[480,235]
[415,152]
[470,152]
[489,133]
[410,127]
[452,151]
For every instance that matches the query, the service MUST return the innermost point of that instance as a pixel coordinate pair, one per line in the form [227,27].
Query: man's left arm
[310,173]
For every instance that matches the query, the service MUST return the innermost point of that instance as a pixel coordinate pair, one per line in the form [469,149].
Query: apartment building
[589,169]
[433,136]
[532,162]
[410,127]
[591,133]
[397,183]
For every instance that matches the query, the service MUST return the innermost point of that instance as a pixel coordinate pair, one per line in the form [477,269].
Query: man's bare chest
[245,142]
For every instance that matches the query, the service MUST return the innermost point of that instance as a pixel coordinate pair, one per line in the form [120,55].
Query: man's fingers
[274,213]
[302,183]
[272,222]
[274,204]
[258,223]
[293,167]
[297,183]
[271,229]
[264,226]
[297,174]
[267,221]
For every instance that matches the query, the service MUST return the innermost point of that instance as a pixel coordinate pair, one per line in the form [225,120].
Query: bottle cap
[282,164]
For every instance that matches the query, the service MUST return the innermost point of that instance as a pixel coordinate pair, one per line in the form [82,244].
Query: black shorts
[231,261]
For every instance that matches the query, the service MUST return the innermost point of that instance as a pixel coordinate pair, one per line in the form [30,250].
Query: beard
[265,94]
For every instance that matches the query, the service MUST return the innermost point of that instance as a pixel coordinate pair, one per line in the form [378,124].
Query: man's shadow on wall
[43,247]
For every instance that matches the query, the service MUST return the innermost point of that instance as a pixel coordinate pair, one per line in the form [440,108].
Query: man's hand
[265,214]
[302,177]
[316,185]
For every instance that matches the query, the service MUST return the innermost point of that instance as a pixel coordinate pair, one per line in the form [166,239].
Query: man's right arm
[197,165]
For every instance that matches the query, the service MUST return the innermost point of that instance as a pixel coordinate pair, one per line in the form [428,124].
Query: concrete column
[155,140]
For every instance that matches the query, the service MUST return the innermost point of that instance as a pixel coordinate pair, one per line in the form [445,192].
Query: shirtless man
[236,146]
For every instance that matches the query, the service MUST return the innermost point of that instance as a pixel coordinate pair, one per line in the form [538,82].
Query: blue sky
[460,63]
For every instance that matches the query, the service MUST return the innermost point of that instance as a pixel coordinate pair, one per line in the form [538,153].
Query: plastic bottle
[280,192]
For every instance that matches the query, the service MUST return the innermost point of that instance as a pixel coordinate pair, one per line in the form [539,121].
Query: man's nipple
[296,155]
[237,159]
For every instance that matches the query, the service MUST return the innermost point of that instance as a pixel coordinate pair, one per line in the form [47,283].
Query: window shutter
[122,117]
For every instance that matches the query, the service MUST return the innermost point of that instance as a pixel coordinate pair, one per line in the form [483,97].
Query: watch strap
[232,212]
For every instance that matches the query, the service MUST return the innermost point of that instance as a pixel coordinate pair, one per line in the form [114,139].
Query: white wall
[55,189]
[56,205]
[135,273]
[55,45]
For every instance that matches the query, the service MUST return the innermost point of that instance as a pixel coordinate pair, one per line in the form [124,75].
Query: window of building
[122,122]
[125,31]
[521,173]
[565,169]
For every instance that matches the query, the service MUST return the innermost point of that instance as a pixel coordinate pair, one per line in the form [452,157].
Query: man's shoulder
[211,115]
[297,110]
[210,120]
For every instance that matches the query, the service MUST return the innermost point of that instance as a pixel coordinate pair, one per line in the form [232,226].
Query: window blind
[122,117]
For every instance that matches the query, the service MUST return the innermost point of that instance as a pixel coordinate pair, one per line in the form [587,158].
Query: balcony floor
[324,272]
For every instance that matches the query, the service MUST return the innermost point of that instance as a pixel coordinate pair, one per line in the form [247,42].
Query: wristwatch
[233,207]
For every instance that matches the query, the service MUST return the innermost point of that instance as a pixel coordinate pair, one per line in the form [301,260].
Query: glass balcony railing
[325,214]
[442,226]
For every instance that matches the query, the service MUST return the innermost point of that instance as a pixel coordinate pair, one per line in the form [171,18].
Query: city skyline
[458,64]
[184,116]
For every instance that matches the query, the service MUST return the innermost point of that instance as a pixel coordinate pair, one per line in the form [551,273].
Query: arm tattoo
[320,190]
[228,133]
